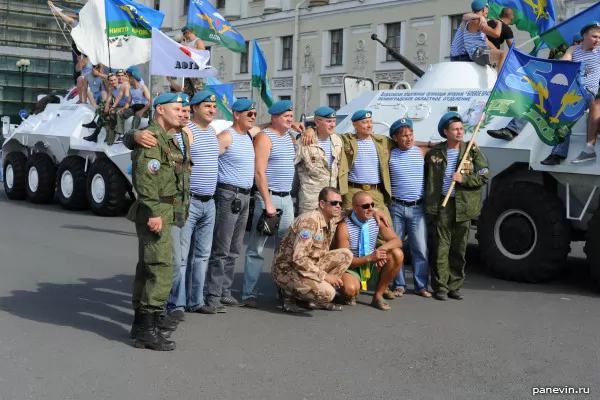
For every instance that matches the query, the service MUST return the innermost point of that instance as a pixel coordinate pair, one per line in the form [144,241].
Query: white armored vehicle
[531,212]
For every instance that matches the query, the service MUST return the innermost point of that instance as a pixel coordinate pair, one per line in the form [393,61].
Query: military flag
[210,25]
[116,33]
[564,32]
[225,99]
[260,76]
[548,93]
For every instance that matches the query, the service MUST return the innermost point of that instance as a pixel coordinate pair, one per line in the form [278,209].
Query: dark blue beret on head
[361,114]
[204,96]
[445,122]
[243,105]
[587,26]
[325,112]
[399,124]
[281,106]
[166,98]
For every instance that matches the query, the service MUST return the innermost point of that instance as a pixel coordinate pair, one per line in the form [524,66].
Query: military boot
[135,326]
[94,136]
[148,336]
[110,136]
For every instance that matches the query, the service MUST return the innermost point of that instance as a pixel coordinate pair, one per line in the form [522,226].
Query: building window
[157,4]
[285,97]
[393,39]
[334,101]
[244,59]
[455,21]
[337,46]
[286,46]
[186,6]
[220,3]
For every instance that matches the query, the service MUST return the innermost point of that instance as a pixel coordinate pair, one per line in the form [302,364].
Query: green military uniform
[450,227]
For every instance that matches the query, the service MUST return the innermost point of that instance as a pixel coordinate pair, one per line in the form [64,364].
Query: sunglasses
[251,114]
[367,206]
[335,203]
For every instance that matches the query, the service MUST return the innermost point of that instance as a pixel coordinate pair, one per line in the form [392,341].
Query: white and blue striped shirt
[407,174]
[450,170]
[354,234]
[473,41]
[180,141]
[280,165]
[591,65]
[458,43]
[137,95]
[366,164]
[204,153]
[326,146]
[236,165]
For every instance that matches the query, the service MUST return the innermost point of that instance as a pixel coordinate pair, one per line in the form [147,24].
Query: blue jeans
[412,221]
[256,243]
[194,259]
[562,149]
[517,124]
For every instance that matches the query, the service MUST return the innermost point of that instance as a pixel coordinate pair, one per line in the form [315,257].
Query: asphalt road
[65,282]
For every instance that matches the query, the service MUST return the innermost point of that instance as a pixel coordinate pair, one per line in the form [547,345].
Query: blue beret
[166,98]
[577,37]
[243,105]
[185,99]
[281,106]
[361,114]
[187,28]
[204,96]
[477,5]
[135,76]
[399,124]
[587,26]
[443,124]
[325,112]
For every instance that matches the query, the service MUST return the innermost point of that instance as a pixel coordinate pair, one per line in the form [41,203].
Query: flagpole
[528,41]
[471,143]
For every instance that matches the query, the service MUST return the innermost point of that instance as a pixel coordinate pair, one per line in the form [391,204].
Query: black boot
[148,336]
[94,136]
[90,125]
[135,327]
[504,134]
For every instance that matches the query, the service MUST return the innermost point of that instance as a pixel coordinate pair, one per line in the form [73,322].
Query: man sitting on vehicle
[139,97]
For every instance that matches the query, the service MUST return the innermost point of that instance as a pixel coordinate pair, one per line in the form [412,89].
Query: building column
[272,6]
[176,12]
[233,10]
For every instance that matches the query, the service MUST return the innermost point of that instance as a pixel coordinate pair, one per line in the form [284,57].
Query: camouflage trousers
[335,262]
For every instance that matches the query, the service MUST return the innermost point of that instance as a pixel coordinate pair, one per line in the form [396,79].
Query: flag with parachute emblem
[210,25]
[564,32]
[260,76]
[550,94]
[116,33]
[225,99]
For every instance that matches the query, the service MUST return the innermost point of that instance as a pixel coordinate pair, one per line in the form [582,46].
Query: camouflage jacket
[307,240]
[172,178]
[313,172]
[468,193]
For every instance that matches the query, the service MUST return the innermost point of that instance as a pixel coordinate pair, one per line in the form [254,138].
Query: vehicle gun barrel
[401,59]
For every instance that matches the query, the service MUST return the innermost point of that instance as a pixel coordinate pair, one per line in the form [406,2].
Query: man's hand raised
[145,139]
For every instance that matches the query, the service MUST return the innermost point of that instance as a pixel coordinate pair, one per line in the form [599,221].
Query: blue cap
[325,112]
[166,98]
[587,26]
[187,28]
[131,69]
[204,96]
[281,106]
[361,114]
[186,99]
[444,122]
[399,124]
[243,105]
[577,37]
[477,5]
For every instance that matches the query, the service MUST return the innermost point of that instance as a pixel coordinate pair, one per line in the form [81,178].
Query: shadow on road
[92,229]
[96,305]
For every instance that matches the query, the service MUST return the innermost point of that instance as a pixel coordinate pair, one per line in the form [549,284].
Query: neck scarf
[364,249]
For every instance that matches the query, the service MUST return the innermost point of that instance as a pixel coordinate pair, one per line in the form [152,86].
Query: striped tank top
[473,41]
[407,173]
[326,146]
[591,66]
[450,170]
[137,95]
[280,166]
[115,94]
[204,153]
[354,234]
[236,165]
[458,43]
[95,84]
[366,164]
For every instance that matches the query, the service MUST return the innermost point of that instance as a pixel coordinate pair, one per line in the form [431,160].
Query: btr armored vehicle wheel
[71,184]
[15,176]
[523,233]
[592,246]
[105,188]
[41,177]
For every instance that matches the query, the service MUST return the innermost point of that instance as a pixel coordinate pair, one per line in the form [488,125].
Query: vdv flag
[169,58]
[548,93]
[209,24]
[225,99]
[564,32]
[116,33]
[260,77]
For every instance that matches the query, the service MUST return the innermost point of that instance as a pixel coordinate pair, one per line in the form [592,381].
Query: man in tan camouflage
[304,268]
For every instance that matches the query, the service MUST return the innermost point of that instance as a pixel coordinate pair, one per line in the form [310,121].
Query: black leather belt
[233,188]
[203,199]
[408,203]
[166,199]
[363,186]
[279,194]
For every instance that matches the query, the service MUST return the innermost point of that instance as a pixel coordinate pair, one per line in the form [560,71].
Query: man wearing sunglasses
[304,268]
[359,232]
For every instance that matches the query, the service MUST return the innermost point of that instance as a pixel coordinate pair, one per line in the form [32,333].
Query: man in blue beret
[407,178]
[191,40]
[234,183]
[317,163]
[450,225]
[159,181]
[458,51]
[139,103]
[275,151]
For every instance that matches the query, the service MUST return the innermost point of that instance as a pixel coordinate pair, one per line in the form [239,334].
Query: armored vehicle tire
[71,184]
[105,188]
[592,246]
[523,233]
[15,176]
[41,178]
